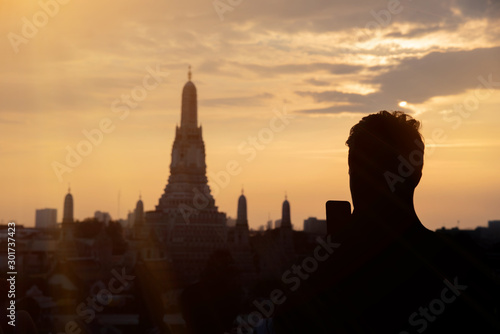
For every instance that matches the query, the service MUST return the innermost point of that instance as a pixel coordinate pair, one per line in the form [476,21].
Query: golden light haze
[326,63]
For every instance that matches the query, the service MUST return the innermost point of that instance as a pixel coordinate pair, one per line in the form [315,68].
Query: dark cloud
[348,102]
[439,74]
[415,32]
[293,16]
[479,8]
[236,101]
[330,96]
[316,82]
[417,80]
[301,68]
[335,110]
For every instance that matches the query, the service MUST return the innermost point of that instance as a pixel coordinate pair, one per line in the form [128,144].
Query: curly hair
[380,142]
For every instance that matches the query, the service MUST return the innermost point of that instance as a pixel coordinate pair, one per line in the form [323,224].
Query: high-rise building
[46,218]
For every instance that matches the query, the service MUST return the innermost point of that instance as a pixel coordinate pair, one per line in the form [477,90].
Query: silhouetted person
[390,274]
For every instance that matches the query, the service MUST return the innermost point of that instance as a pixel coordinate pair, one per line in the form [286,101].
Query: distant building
[130,219]
[315,225]
[138,220]
[68,208]
[46,218]
[238,238]
[102,217]
[139,213]
[241,229]
[277,223]
[286,221]
[67,246]
[494,229]
[285,230]
[230,222]
[269,224]
[274,248]
[123,223]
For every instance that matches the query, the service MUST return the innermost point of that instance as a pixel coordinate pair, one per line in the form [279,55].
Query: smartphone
[338,215]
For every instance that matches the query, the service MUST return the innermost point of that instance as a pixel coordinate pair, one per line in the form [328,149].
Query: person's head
[385,158]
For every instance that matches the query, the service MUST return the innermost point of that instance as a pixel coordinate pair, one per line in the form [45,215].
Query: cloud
[316,82]
[479,8]
[329,96]
[72,64]
[236,101]
[416,80]
[267,70]
[335,110]
[414,32]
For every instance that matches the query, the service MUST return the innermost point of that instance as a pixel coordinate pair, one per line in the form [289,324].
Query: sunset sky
[325,63]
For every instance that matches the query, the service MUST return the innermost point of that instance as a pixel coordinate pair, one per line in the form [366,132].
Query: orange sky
[325,63]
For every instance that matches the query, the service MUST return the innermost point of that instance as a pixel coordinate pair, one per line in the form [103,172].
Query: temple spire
[285,214]
[242,219]
[68,208]
[189,104]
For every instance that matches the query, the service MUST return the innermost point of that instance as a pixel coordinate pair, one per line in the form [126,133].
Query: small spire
[242,190]
[189,73]
[69,188]
[286,197]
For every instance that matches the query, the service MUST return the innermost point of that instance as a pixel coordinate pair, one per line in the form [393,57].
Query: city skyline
[438,62]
